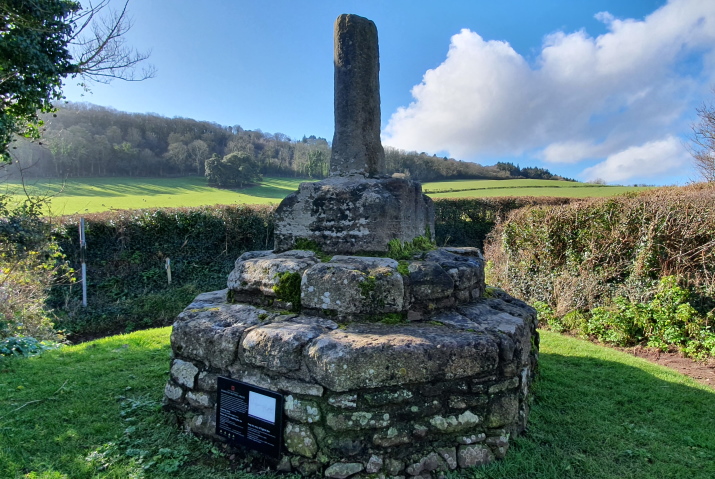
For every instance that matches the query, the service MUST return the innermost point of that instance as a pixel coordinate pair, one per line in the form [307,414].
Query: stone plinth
[367,389]
[346,215]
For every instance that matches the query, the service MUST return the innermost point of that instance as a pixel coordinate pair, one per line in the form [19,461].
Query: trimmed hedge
[127,251]
[126,263]
[468,221]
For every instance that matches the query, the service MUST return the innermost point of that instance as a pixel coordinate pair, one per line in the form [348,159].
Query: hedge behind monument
[127,252]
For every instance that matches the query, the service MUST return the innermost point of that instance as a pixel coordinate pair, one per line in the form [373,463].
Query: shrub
[628,269]
[30,262]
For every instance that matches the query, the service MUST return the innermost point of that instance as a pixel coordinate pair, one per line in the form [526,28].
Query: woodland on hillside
[85,140]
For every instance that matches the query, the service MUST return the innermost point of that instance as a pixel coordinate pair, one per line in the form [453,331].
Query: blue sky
[588,89]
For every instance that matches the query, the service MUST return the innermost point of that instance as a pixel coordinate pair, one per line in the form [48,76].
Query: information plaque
[249,415]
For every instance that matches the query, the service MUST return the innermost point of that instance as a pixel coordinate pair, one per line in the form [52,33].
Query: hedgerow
[126,263]
[126,256]
[468,221]
[636,268]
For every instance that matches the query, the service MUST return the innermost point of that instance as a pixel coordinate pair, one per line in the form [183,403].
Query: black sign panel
[250,416]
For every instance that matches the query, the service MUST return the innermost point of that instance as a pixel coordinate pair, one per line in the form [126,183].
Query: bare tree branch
[99,46]
[703,142]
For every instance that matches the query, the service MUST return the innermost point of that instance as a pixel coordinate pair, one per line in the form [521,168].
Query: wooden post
[82,256]
[168,270]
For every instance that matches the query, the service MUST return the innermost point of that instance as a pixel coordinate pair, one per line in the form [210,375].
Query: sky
[589,89]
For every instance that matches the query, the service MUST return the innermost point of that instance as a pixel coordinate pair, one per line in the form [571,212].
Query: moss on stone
[288,288]
[393,318]
[310,245]
[491,292]
[367,286]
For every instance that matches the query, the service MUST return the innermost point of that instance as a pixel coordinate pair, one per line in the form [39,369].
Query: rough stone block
[429,282]
[429,463]
[464,421]
[477,455]
[392,437]
[503,410]
[504,385]
[388,397]
[260,275]
[499,445]
[346,215]
[374,464]
[184,373]
[472,439]
[344,446]
[376,355]
[207,381]
[449,455]
[345,401]
[354,285]
[204,423]
[301,410]
[278,346]
[357,420]
[341,470]
[211,334]
[394,466]
[200,399]
[173,392]
[300,440]
[281,384]
[464,265]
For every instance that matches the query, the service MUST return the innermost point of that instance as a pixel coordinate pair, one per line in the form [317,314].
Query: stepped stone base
[353,214]
[364,397]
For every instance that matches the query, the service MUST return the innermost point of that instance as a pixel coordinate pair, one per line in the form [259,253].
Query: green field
[490,188]
[93,411]
[92,195]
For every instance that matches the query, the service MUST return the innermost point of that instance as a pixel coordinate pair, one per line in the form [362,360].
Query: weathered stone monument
[359,208]
[385,367]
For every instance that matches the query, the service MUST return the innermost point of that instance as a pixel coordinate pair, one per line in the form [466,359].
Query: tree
[235,169]
[43,42]
[703,143]
[198,151]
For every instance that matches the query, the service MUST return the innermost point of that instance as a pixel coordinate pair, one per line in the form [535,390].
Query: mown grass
[91,195]
[92,410]
[491,188]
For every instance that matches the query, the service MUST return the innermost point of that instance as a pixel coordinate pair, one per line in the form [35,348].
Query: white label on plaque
[261,407]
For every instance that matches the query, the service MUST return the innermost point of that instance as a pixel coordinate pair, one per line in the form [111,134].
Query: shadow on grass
[116,187]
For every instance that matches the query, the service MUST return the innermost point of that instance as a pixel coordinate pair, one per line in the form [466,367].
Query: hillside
[83,140]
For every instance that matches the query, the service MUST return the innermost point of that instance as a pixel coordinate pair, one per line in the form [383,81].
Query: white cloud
[653,159]
[582,98]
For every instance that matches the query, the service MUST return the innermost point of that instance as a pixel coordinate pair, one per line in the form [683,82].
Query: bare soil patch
[701,371]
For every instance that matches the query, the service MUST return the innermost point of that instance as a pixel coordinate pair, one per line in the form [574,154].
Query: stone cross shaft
[356,144]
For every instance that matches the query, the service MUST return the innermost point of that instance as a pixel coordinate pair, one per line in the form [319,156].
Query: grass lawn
[91,195]
[93,410]
[490,188]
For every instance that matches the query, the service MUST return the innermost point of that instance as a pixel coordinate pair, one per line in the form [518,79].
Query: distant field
[490,188]
[92,195]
